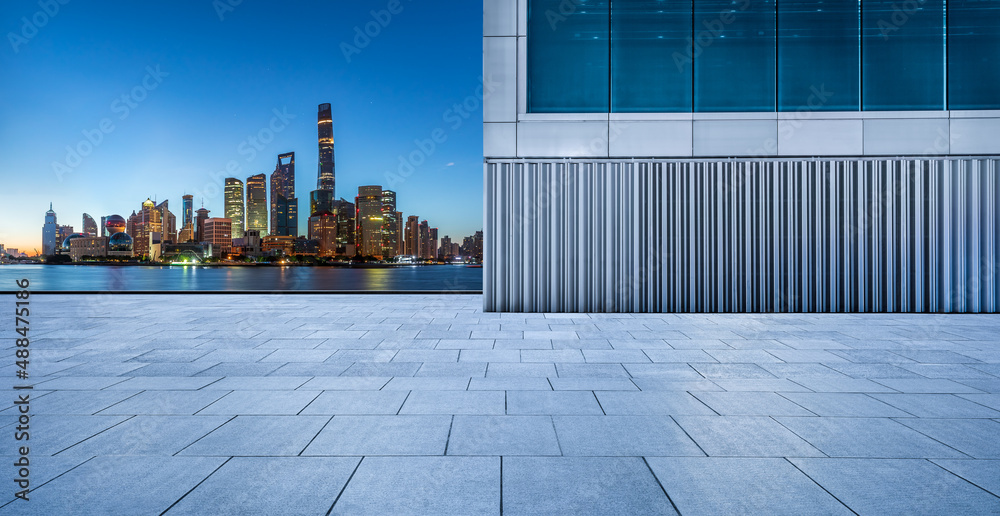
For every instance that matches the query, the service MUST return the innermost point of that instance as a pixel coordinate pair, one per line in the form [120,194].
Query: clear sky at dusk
[175,92]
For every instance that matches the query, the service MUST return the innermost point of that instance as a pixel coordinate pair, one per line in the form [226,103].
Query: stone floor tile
[723,371]
[581,486]
[382,435]
[454,402]
[866,437]
[976,438]
[591,371]
[843,404]
[382,369]
[927,386]
[259,436]
[841,384]
[666,384]
[356,403]
[937,405]
[109,485]
[984,474]
[164,383]
[503,435]
[345,383]
[270,485]
[551,403]
[897,486]
[165,403]
[423,485]
[751,404]
[592,384]
[453,369]
[148,435]
[260,403]
[661,403]
[760,385]
[623,436]
[744,436]
[520,370]
[712,486]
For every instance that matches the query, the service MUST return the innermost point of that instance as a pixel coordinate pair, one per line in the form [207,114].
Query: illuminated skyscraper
[432,244]
[146,222]
[368,206]
[400,235]
[327,170]
[188,215]
[346,228]
[234,207]
[320,201]
[424,237]
[218,232]
[257,203]
[412,236]
[89,225]
[169,228]
[284,204]
[49,230]
[390,226]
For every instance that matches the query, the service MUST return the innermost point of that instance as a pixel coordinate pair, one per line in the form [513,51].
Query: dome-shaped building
[71,237]
[115,224]
[120,244]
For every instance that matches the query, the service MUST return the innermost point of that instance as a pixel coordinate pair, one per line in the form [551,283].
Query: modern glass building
[742,155]
[284,204]
[235,208]
[257,213]
[326,177]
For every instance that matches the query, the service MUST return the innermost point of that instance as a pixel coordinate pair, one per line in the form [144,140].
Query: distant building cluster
[257,225]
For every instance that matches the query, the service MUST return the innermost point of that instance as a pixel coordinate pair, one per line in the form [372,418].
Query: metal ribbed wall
[824,235]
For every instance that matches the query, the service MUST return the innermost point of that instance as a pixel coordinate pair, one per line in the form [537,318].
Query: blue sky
[160,99]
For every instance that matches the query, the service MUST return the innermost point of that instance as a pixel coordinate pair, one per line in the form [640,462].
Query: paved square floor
[413,404]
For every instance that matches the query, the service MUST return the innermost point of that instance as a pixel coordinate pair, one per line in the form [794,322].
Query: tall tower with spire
[49,231]
[327,179]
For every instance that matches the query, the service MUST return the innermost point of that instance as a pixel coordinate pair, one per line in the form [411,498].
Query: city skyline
[201,107]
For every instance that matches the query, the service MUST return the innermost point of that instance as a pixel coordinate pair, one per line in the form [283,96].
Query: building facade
[89,225]
[368,206]
[390,225]
[257,214]
[219,233]
[327,178]
[741,156]
[234,205]
[50,229]
[90,246]
[412,236]
[284,204]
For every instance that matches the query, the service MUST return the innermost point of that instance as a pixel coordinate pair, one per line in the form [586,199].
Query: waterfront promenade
[423,404]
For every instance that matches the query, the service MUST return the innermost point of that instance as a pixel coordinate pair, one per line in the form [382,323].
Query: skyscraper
[169,228]
[218,232]
[234,207]
[412,236]
[188,215]
[390,228]
[424,236]
[327,170]
[284,204]
[346,228]
[89,225]
[147,221]
[368,205]
[257,203]
[199,235]
[49,230]
[104,226]
[320,201]
[432,244]
[400,235]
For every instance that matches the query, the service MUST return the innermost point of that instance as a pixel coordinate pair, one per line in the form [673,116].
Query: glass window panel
[733,50]
[818,55]
[568,56]
[974,54]
[903,54]
[650,65]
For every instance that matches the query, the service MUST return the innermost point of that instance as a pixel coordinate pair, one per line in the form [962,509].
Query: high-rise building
[199,225]
[284,204]
[424,238]
[400,235]
[412,247]
[390,224]
[234,207]
[445,248]
[188,216]
[780,156]
[368,206]
[169,228]
[432,244]
[346,228]
[146,224]
[62,233]
[50,240]
[320,201]
[89,225]
[327,168]
[219,232]
[257,204]
[477,246]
